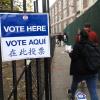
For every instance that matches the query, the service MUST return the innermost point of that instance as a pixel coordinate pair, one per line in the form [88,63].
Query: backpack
[91,53]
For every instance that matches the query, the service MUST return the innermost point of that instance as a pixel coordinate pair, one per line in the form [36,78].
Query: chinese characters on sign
[31,51]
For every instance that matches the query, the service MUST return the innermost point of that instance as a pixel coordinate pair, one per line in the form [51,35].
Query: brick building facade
[63,12]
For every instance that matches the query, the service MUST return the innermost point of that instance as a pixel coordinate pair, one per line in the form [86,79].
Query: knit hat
[87,25]
[83,35]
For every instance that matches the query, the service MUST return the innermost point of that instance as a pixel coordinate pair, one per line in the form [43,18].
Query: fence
[22,81]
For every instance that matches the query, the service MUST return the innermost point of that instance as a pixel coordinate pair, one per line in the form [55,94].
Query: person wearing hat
[79,71]
[92,37]
[91,34]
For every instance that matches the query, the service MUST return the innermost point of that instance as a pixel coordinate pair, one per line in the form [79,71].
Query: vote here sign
[24,36]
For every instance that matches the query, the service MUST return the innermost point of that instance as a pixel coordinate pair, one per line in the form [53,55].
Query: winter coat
[78,65]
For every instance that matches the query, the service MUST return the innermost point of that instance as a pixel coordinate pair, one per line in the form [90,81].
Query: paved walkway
[61,80]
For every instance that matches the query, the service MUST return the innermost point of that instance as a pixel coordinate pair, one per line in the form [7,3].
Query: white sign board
[24,36]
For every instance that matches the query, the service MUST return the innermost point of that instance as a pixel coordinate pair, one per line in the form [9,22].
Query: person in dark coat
[59,39]
[79,69]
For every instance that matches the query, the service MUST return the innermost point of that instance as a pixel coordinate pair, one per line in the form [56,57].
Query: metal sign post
[14,68]
[37,61]
[14,79]
[47,69]
[25,63]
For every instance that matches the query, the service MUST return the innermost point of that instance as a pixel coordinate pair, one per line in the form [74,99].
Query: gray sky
[51,2]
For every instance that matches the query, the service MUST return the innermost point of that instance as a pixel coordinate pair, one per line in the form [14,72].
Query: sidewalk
[60,78]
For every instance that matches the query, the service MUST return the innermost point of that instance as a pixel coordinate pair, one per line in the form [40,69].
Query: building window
[59,27]
[64,4]
[52,19]
[52,12]
[52,30]
[56,29]
[59,17]
[71,7]
[71,10]
[79,5]
[55,18]
[55,9]
[59,6]
[65,13]
[64,24]
[71,3]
